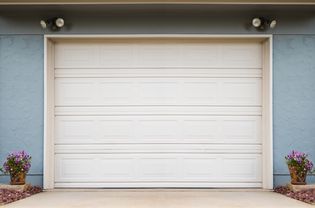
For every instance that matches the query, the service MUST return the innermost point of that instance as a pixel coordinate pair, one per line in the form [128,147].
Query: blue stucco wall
[21,99]
[294,99]
[21,69]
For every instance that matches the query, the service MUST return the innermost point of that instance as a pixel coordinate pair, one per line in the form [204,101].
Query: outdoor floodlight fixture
[54,24]
[261,23]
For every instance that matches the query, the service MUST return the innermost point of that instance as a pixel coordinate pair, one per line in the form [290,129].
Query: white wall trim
[48,179]
[49,97]
[267,115]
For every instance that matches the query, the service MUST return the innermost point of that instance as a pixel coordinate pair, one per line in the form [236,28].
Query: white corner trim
[48,179]
[267,174]
[267,114]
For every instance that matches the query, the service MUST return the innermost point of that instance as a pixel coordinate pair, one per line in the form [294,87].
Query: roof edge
[215,2]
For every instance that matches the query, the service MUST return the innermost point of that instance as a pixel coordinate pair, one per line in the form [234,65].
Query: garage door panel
[70,54]
[202,167]
[75,168]
[157,129]
[158,167]
[240,168]
[165,53]
[78,91]
[166,91]
[71,169]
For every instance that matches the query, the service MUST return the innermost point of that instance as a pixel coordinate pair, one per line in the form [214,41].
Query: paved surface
[193,198]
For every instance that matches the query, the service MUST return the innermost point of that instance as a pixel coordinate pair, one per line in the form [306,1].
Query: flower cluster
[299,161]
[17,162]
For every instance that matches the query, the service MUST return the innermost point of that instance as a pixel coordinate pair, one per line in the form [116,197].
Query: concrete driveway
[161,198]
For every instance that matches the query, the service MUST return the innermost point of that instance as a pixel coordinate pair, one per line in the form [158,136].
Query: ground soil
[307,196]
[8,196]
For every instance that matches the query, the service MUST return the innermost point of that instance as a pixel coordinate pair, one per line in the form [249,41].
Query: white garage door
[158,113]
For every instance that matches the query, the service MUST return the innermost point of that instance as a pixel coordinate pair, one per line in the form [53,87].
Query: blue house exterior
[22,65]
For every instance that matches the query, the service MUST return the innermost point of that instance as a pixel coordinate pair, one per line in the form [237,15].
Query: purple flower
[309,165]
[300,161]
[16,162]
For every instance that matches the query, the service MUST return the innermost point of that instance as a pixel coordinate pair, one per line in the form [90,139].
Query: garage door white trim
[49,151]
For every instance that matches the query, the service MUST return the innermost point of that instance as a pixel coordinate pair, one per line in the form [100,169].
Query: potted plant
[17,164]
[299,165]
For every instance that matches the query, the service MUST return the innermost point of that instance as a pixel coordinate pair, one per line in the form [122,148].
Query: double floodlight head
[53,24]
[262,24]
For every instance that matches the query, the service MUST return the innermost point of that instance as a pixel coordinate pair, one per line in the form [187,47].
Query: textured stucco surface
[294,99]
[21,99]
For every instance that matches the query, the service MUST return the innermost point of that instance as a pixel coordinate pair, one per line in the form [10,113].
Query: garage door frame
[267,114]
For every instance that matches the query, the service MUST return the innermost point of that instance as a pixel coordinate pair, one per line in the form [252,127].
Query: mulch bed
[8,196]
[307,196]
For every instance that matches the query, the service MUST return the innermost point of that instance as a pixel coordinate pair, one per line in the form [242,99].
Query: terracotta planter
[18,179]
[297,179]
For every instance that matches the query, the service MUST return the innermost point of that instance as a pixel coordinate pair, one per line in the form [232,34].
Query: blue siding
[21,99]
[294,98]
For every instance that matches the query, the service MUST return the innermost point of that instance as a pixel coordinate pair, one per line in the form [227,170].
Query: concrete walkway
[158,198]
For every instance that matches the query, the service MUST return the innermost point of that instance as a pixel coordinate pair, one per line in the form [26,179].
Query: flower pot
[18,179]
[297,178]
